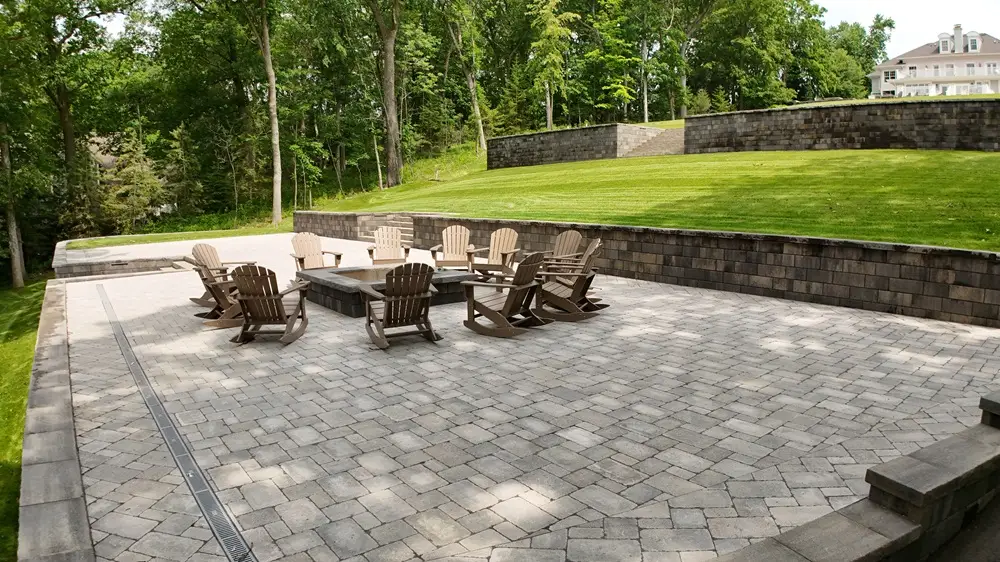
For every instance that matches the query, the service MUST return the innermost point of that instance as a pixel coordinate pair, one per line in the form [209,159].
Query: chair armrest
[434,248]
[406,252]
[239,263]
[566,256]
[514,251]
[335,254]
[372,293]
[560,274]
[477,250]
[297,286]
[433,290]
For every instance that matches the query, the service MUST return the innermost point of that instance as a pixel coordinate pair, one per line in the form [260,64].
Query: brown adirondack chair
[262,304]
[563,295]
[574,263]
[566,245]
[510,300]
[209,266]
[227,312]
[455,251]
[388,247]
[405,301]
[502,252]
[309,253]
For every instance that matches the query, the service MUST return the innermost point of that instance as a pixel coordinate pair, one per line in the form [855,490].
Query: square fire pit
[337,289]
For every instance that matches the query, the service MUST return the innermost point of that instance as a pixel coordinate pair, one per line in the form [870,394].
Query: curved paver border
[53,511]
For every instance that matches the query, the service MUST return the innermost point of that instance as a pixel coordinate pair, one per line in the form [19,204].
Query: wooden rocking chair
[566,245]
[456,250]
[309,252]
[564,294]
[207,261]
[263,304]
[405,301]
[503,250]
[503,308]
[227,312]
[388,247]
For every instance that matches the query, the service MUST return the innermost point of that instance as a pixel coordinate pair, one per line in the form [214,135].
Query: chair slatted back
[257,291]
[308,246]
[388,243]
[590,255]
[567,243]
[455,242]
[407,294]
[501,241]
[524,275]
[208,257]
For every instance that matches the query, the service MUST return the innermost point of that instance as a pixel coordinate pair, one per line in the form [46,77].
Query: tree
[552,39]
[462,25]
[136,192]
[388,29]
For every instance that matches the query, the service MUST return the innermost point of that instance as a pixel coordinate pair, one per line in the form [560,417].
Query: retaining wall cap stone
[990,403]
[912,480]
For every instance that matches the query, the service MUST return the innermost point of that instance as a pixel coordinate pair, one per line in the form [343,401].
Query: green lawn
[929,197]
[87,243]
[675,124]
[18,323]
[910,99]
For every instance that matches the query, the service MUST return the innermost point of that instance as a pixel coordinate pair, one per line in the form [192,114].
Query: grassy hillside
[927,197]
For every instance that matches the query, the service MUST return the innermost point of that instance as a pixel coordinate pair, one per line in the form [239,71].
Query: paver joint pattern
[679,425]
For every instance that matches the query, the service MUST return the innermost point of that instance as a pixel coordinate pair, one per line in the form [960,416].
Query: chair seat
[557,289]
[492,300]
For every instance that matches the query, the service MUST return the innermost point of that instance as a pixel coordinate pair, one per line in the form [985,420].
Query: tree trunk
[378,163]
[645,82]
[13,231]
[470,78]
[684,96]
[64,107]
[393,158]
[548,106]
[272,111]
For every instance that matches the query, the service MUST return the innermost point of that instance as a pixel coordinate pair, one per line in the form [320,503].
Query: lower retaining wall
[922,281]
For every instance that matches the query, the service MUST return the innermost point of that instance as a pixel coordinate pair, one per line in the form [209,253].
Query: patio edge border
[53,522]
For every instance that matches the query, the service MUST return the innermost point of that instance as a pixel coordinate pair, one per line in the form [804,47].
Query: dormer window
[974,45]
[945,46]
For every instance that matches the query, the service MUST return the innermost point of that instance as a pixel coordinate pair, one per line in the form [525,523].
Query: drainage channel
[218,518]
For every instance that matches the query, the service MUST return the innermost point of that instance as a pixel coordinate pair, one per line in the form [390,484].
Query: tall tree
[388,29]
[552,34]
[462,24]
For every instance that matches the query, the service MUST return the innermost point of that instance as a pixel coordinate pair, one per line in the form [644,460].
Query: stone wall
[922,281]
[332,225]
[917,503]
[567,145]
[952,124]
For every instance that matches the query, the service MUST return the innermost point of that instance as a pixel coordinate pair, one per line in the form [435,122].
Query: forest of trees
[212,106]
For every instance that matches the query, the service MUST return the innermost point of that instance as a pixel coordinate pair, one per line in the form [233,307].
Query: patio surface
[678,425]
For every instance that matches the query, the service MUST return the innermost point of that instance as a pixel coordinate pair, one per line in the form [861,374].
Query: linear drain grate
[218,518]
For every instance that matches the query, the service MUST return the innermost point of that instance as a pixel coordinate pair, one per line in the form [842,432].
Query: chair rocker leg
[502,329]
[561,310]
[246,335]
[291,332]
[231,318]
[428,332]
[377,334]
[204,300]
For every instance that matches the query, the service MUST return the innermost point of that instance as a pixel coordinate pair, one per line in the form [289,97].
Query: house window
[949,70]
[991,69]
[973,44]
[970,69]
[937,70]
[913,72]
[945,46]
[889,75]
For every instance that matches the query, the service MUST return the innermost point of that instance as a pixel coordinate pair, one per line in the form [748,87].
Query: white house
[956,64]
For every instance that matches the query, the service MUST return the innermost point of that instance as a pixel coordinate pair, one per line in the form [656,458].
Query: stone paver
[678,425]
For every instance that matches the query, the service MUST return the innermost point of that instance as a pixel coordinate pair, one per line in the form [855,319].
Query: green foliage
[720,102]
[701,102]
[181,173]
[135,190]
[547,51]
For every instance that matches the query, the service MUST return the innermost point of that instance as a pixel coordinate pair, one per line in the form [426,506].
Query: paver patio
[680,424]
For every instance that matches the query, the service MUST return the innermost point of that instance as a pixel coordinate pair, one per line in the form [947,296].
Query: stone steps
[670,141]
[368,224]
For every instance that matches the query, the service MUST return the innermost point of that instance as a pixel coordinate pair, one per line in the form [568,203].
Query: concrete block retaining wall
[917,503]
[946,124]
[567,145]
[922,281]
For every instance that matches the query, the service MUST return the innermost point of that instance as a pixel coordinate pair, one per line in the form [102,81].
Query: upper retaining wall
[922,281]
[567,145]
[947,124]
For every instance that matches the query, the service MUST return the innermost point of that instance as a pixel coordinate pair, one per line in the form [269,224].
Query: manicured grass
[675,124]
[911,99]
[88,243]
[928,197]
[18,324]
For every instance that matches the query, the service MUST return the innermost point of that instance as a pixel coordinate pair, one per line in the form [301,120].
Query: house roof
[988,45]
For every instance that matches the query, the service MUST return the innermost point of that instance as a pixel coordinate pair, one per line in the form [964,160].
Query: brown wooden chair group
[263,304]
[455,250]
[308,252]
[211,270]
[388,247]
[508,303]
[405,301]
[566,245]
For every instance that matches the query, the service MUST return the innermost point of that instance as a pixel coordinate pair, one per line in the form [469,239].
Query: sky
[918,21]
